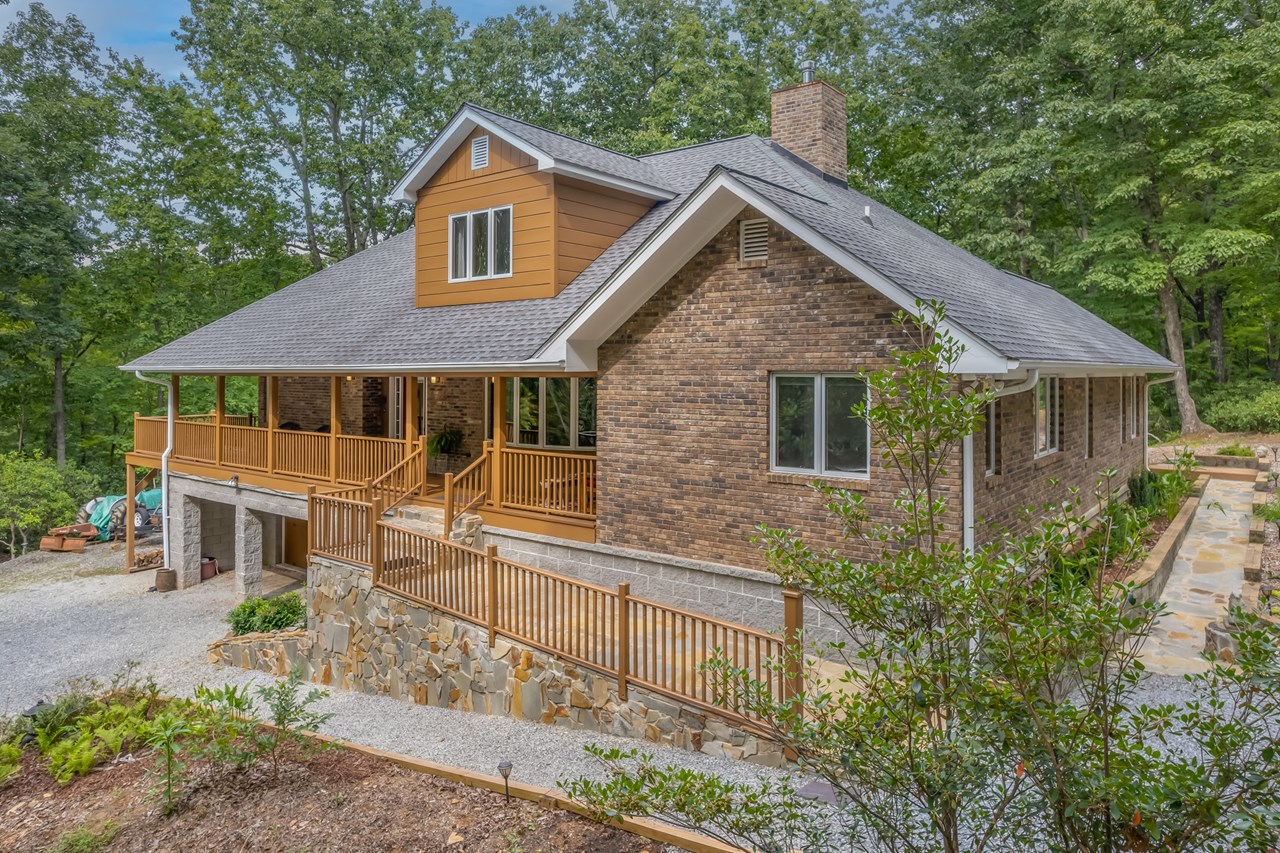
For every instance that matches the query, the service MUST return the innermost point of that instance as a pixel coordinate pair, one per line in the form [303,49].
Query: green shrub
[1269,511]
[1257,412]
[1234,450]
[1142,489]
[268,614]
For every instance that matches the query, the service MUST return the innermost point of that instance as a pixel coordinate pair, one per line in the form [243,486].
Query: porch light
[349,378]
[504,767]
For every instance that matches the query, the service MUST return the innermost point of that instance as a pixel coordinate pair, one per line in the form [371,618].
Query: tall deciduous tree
[341,88]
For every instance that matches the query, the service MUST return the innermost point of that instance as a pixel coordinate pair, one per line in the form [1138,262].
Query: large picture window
[1048,418]
[819,424]
[480,244]
[553,411]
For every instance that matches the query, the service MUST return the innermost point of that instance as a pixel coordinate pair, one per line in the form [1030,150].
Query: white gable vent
[753,240]
[480,152]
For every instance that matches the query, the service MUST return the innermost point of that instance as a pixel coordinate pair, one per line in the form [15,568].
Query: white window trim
[993,438]
[1053,421]
[395,408]
[449,244]
[820,427]
[513,408]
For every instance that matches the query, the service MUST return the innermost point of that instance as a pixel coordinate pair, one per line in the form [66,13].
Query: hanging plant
[444,442]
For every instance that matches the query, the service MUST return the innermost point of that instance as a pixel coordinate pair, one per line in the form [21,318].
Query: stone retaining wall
[361,638]
[1153,574]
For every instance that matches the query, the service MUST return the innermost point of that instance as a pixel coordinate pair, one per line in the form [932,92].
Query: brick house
[615,367]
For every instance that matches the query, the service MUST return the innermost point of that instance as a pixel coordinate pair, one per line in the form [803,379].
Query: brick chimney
[810,120]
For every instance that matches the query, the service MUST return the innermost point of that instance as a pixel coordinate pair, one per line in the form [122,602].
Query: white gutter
[1146,416]
[170,417]
[967,484]
[491,368]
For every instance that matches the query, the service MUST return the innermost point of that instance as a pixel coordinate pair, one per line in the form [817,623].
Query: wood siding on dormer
[559,225]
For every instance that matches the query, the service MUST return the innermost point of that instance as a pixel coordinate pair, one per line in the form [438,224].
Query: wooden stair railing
[401,482]
[467,489]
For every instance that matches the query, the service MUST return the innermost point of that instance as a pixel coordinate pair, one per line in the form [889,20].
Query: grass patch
[82,839]
[1234,450]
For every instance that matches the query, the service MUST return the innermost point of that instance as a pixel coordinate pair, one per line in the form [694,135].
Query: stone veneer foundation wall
[360,638]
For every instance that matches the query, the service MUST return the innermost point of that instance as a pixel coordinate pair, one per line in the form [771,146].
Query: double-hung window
[819,424]
[480,244]
[1133,406]
[1048,417]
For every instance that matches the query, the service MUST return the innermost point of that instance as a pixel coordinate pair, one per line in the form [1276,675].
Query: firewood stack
[149,560]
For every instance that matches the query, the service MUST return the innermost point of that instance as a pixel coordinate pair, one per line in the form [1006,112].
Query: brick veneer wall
[304,400]
[811,121]
[457,402]
[683,400]
[1023,480]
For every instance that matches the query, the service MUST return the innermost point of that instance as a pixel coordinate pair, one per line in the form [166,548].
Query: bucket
[166,580]
[208,568]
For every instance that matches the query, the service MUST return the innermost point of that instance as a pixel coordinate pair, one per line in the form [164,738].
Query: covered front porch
[519,451]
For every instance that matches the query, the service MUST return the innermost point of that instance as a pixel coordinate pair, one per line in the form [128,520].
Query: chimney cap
[806,70]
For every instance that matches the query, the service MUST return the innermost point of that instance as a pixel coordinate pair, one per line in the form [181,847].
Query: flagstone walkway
[1208,569]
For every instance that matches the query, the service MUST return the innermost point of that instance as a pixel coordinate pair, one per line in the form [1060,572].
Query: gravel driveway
[75,626]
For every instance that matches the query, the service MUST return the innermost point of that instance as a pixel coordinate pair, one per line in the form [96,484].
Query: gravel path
[92,626]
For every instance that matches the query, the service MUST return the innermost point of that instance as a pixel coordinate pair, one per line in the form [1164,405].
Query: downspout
[967,484]
[170,416]
[1146,417]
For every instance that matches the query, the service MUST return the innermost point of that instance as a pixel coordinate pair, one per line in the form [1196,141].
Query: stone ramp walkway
[1208,569]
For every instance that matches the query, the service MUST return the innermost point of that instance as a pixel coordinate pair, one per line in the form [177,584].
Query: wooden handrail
[400,482]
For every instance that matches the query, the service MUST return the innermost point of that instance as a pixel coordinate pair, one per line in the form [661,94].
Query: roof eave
[489,368]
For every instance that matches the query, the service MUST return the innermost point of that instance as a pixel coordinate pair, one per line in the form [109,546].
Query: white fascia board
[611,181]
[447,142]
[540,367]
[678,239]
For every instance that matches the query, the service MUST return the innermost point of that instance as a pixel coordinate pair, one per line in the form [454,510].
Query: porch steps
[467,530]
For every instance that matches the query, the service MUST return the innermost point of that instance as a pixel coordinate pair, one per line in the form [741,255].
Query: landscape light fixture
[504,767]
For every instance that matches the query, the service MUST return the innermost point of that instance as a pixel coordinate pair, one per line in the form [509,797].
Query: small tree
[985,696]
[35,495]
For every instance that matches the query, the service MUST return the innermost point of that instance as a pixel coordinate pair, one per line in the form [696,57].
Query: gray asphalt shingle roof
[359,314]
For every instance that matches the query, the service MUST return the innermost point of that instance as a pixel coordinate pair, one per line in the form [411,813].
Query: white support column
[248,532]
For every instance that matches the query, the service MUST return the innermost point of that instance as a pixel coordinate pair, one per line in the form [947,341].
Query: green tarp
[101,515]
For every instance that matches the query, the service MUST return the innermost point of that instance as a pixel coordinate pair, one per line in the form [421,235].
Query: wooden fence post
[448,506]
[793,651]
[491,591]
[368,490]
[311,521]
[375,539]
[624,638]
[422,469]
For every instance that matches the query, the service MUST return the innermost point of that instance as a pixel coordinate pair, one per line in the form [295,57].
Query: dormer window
[480,244]
[480,153]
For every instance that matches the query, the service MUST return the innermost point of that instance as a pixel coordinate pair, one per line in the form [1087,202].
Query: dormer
[507,211]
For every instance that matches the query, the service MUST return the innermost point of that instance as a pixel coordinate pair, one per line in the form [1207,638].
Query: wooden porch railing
[302,454]
[195,440]
[150,435]
[549,481]
[244,446]
[658,646]
[362,458]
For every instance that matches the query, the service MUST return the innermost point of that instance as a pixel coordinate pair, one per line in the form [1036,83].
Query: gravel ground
[91,626]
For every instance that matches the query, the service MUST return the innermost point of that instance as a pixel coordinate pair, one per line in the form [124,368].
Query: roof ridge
[731,170]
[576,139]
[693,145]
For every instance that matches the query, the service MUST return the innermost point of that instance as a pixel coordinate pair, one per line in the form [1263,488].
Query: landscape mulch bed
[1118,572]
[335,800]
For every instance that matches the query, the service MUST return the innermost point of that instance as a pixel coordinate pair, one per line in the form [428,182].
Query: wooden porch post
[219,409]
[624,638]
[793,625]
[335,425]
[410,413]
[177,396]
[499,438]
[491,591]
[273,419]
[130,506]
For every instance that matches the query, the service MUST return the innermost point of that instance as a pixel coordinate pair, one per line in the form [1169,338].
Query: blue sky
[143,27]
